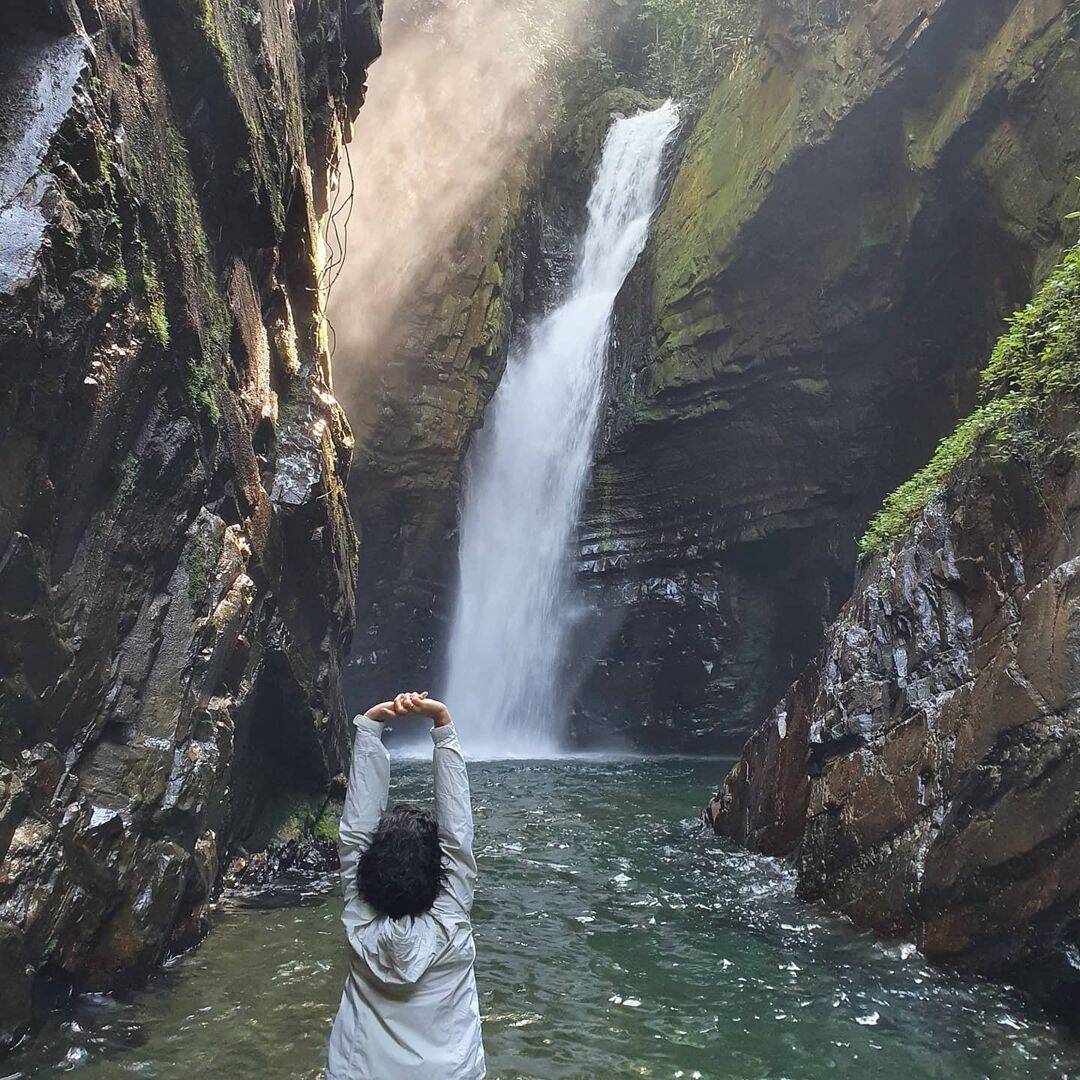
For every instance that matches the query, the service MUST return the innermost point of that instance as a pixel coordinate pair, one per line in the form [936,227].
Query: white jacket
[409,1010]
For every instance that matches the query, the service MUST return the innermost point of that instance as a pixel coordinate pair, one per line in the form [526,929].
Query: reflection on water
[614,940]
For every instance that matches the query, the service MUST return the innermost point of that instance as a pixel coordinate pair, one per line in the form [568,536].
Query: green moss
[157,320]
[345,525]
[201,386]
[209,26]
[323,827]
[1034,366]
[288,404]
[298,816]
[181,209]
[740,141]
[202,561]
[174,191]
[221,26]
[118,279]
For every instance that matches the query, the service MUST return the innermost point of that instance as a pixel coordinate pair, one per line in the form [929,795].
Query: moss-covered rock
[582,139]
[177,561]
[923,771]
[860,203]
[1035,366]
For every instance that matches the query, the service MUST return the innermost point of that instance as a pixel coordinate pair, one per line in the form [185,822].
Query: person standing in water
[409,1010]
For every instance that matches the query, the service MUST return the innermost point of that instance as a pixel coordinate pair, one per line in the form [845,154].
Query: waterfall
[527,471]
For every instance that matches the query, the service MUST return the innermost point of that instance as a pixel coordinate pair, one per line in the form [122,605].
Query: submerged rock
[177,559]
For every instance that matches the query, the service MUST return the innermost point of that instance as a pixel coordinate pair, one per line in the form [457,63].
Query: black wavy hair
[402,871]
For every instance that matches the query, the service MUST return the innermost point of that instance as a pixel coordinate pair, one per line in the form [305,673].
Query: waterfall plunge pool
[614,940]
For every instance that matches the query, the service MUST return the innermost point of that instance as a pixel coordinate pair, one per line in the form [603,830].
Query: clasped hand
[411,704]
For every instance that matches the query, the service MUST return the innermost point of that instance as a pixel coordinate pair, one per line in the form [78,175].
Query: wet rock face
[415,410]
[855,210]
[176,554]
[925,770]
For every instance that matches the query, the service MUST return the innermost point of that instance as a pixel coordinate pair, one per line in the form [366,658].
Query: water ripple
[616,938]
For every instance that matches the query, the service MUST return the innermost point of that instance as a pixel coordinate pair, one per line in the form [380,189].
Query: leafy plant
[693,41]
[1034,366]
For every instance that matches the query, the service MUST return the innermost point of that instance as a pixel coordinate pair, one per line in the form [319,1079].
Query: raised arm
[453,806]
[369,785]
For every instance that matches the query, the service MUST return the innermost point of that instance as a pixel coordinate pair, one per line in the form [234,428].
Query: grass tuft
[325,827]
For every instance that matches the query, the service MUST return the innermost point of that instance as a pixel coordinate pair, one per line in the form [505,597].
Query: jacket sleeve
[453,808]
[369,785]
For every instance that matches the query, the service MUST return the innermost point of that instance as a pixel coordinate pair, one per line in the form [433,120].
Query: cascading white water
[528,468]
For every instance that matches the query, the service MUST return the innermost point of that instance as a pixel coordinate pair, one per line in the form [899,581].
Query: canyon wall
[415,406]
[414,412]
[177,558]
[853,209]
[857,207]
[924,771]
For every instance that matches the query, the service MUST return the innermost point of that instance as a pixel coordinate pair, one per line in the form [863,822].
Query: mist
[464,88]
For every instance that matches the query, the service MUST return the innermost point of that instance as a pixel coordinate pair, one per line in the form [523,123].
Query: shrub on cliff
[1035,366]
[694,41]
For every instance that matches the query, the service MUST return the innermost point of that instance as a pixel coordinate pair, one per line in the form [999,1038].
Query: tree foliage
[692,42]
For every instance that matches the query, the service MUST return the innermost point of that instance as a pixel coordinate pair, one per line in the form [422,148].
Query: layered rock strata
[925,770]
[177,559]
[857,206]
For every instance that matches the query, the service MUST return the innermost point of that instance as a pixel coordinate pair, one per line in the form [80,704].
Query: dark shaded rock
[177,559]
[856,209]
[300,859]
[927,778]
[294,841]
[16,987]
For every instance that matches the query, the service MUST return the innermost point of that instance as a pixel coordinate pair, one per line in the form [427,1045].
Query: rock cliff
[853,210]
[924,771]
[414,412]
[176,554]
[858,205]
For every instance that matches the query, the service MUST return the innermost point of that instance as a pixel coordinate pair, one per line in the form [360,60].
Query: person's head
[402,873]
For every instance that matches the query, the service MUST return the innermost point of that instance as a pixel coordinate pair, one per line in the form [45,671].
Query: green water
[615,938]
